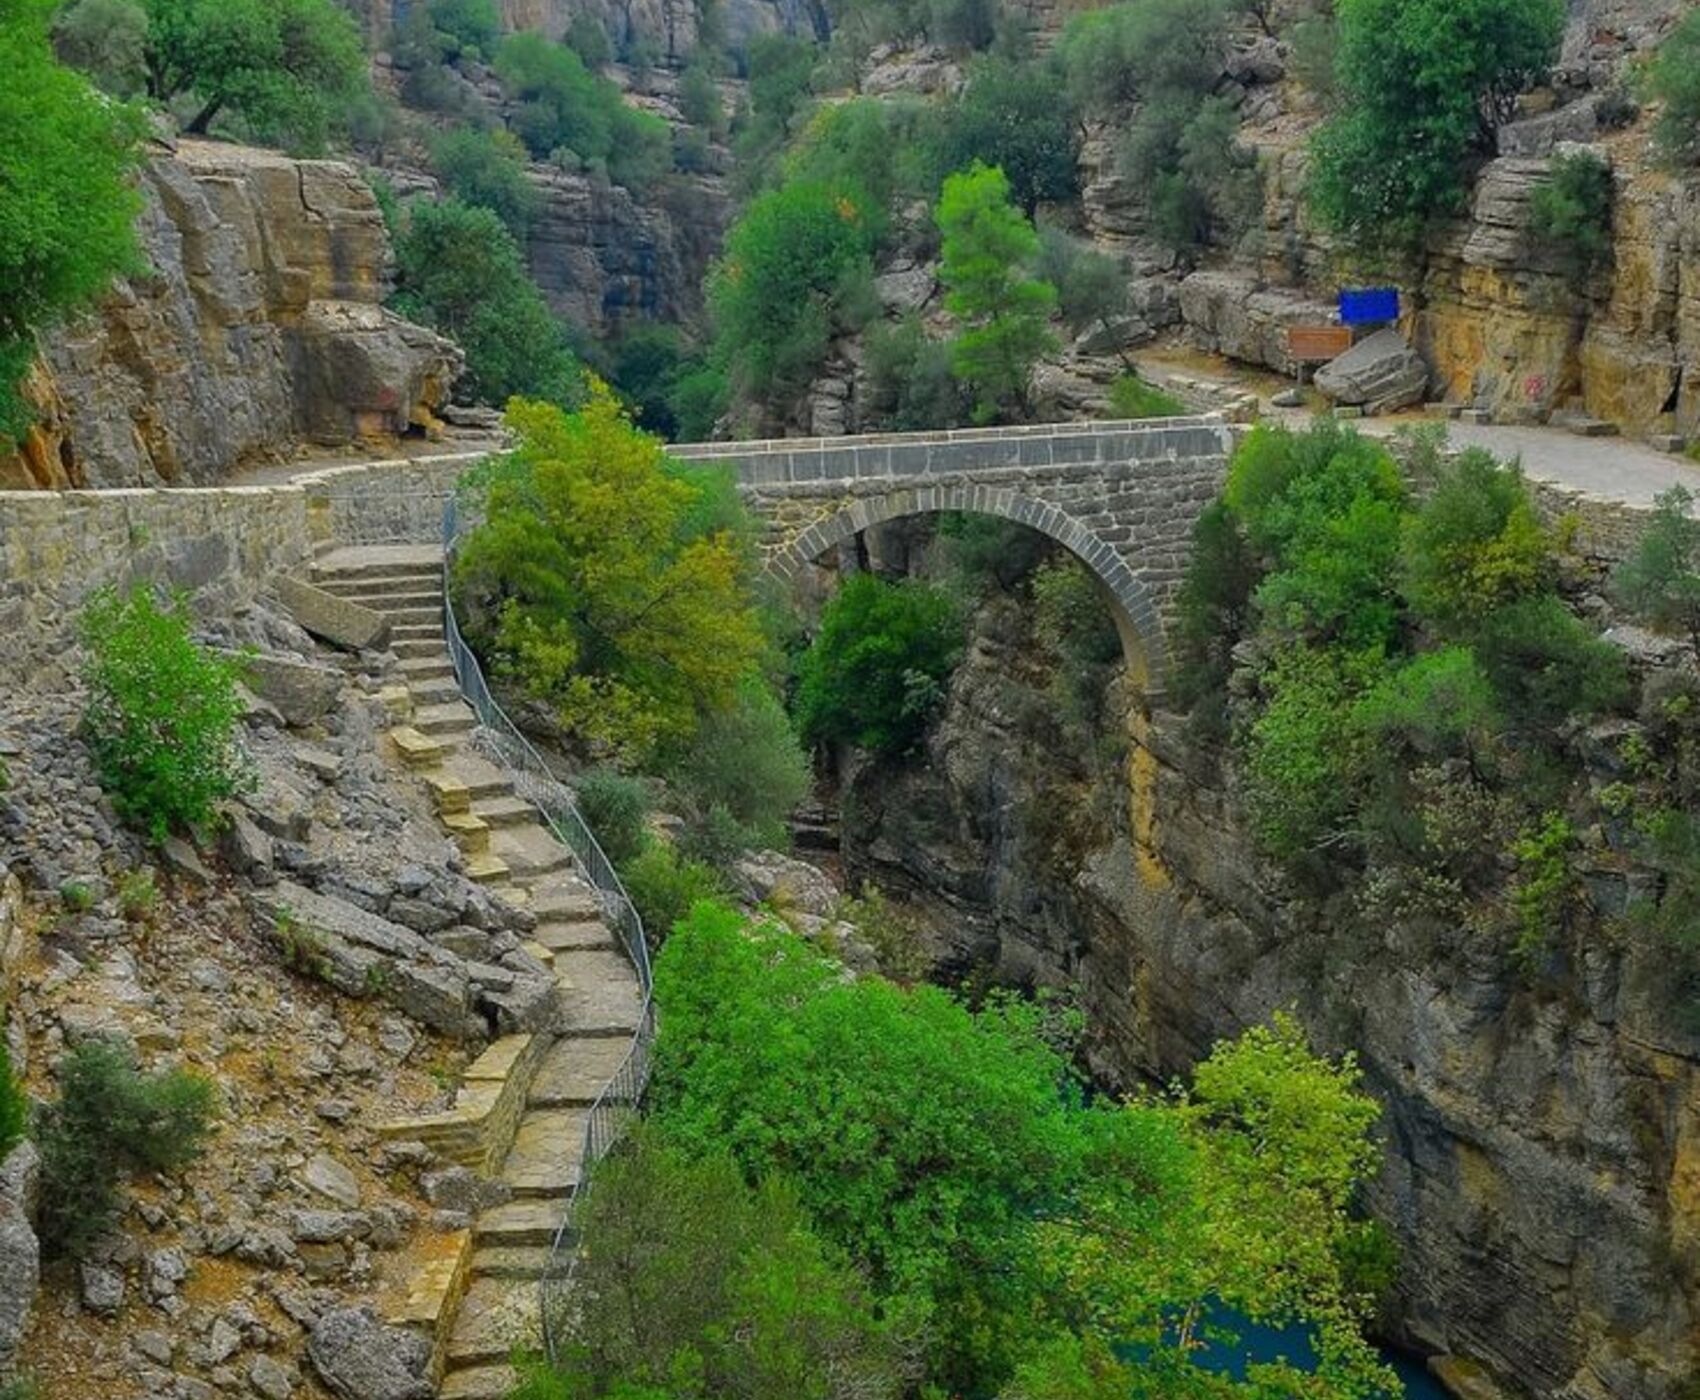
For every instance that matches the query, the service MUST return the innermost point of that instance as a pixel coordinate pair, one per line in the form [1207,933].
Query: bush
[14,1105]
[688,1269]
[1546,885]
[1660,581]
[605,581]
[1673,80]
[68,224]
[910,384]
[1092,287]
[486,169]
[470,25]
[878,665]
[1212,613]
[746,761]
[1570,214]
[106,39]
[664,886]
[111,1120]
[161,716]
[1547,665]
[788,281]
[587,37]
[1132,397]
[1009,115]
[1473,544]
[1424,84]
[699,101]
[458,269]
[615,806]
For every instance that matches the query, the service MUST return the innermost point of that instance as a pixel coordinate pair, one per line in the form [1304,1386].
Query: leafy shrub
[161,716]
[1545,886]
[688,1269]
[699,101]
[1092,287]
[1673,80]
[910,384]
[106,39]
[1474,544]
[14,1105]
[878,665]
[1009,115]
[787,282]
[473,26]
[1660,581]
[563,106]
[458,269]
[746,761]
[1547,665]
[780,70]
[69,228]
[1132,397]
[1570,214]
[1423,85]
[108,1121]
[895,936]
[615,806]
[137,894]
[986,263]
[605,581]
[587,37]
[486,169]
[665,885]
[75,897]
[1212,613]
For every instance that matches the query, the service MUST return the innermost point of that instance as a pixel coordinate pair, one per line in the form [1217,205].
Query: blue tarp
[1360,306]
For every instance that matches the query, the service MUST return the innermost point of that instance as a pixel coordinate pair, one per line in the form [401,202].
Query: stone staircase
[520,1114]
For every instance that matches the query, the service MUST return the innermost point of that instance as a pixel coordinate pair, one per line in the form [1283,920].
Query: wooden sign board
[1316,344]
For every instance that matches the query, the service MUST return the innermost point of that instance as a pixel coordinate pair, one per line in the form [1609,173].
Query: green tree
[108,1121]
[789,280]
[1092,287]
[1423,86]
[910,384]
[1673,79]
[287,68]
[699,101]
[1570,214]
[67,209]
[472,26]
[161,716]
[987,254]
[1660,580]
[487,169]
[1213,612]
[459,270]
[877,667]
[592,583]
[1547,664]
[746,761]
[1008,115]
[107,40]
[701,1285]
[588,38]
[781,70]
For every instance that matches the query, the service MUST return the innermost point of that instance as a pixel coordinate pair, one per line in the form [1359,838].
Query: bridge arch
[1131,602]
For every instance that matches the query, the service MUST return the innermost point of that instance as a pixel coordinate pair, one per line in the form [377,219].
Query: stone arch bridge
[1122,496]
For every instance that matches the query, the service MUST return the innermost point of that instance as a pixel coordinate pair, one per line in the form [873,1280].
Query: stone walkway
[530,1094]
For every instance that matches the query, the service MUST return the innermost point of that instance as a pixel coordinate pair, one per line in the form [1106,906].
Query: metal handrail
[617,1103]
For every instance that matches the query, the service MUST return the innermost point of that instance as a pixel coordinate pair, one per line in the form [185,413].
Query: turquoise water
[1293,1344]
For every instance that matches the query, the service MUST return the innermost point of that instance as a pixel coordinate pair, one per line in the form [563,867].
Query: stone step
[481,778]
[439,690]
[456,717]
[417,749]
[576,1069]
[406,591]
[479,1383]
[530,851]
[470,832]
[511,1261]
[426,668]
[547,1152]
[408,614]
[486,868]
[562,937]
[408,648]
[565,899]
[380,561]
[504,811]
[498,1318]
[448,792]
[599,993]
[412,631]
[524,1222]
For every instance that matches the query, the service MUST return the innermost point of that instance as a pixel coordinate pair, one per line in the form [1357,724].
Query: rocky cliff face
[1542,1164]
[259,326]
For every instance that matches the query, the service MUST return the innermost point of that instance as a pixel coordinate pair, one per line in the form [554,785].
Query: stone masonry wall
[222,543]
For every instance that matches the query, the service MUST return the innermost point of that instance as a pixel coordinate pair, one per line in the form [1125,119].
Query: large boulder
[332,618]
[20,1275]
[361,1358]
[300,691]
[1381,373]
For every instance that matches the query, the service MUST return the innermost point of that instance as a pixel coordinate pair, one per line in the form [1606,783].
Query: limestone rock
[259,321]
[301,691]
[1232,314]
[324,1174]
[331,617]
[1380,373]
[20,1276]
[789,884]
[360,1358]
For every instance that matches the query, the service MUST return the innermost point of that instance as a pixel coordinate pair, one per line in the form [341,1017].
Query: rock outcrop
[1542,1131]
[1380,373]
[258,326]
